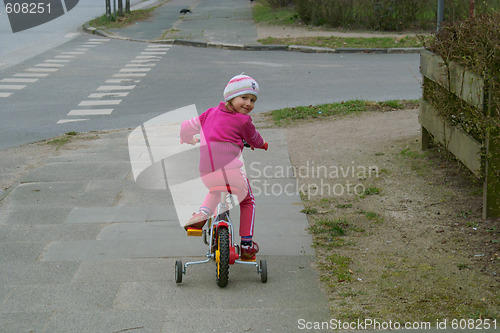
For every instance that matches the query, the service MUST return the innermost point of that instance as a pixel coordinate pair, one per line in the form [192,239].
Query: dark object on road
[185,11]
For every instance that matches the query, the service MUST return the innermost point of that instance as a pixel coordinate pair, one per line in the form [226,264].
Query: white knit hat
[240,85]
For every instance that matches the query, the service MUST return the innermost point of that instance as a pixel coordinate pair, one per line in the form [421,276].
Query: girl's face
[244,104]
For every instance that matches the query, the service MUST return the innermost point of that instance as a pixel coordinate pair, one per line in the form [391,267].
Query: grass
[288,115]
[62,140]
[334,42]
[104,22]
[263,13]
[288,16]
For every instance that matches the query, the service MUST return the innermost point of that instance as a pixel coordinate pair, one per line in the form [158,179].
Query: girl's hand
[264,146]
[193,141]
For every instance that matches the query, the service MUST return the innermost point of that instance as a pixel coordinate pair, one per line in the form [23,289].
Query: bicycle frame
[221,219]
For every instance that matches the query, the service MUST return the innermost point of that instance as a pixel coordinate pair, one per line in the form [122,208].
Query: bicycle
[218,235]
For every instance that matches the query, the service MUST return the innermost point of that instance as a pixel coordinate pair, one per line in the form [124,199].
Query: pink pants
[238,181]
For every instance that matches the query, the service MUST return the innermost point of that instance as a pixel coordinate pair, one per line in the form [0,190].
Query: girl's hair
[229,106]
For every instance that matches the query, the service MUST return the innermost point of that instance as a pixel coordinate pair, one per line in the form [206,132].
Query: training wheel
[263,271]
[178,271]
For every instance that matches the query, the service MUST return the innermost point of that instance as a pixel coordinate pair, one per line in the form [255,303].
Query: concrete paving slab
[23,251]
[58,172]
[38,298]
[125,270]
[25,321]
[18,273]
[48,233]
[33,216]
[106,321]
[35,195]
[141,230]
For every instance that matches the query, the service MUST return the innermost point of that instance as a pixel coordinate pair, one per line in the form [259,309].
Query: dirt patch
[406,239]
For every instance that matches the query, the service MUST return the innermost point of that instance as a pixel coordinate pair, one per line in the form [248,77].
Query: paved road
[23,45]
[48,94]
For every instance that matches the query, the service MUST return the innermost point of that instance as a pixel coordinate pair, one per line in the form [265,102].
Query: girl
[223,130]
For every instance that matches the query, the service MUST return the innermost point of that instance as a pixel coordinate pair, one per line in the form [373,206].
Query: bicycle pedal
[194,232]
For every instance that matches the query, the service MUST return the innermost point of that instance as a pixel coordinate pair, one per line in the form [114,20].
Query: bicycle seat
[219,189]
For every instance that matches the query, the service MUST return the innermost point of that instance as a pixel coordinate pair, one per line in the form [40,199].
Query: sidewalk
[225,24]
[84,249]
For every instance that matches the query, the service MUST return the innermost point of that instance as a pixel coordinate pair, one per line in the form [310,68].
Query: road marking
[42,69]
[105,88]
[13,86]
[130,75]
[64,121]
[100,103]
[122,80]
[153,53]
[45,64]
[56,60]
[140,65]
[148,57]
[90,112]
[140,61]
[31,75]
[132,70]
[18,80]
[135,69]
[110,94]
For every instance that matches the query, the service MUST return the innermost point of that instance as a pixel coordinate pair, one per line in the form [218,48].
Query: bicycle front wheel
[222,257]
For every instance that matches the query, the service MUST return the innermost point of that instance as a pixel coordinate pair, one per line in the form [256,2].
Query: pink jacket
[222,134]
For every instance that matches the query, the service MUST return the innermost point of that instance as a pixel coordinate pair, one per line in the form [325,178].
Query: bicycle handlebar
[246,144]
[265,146]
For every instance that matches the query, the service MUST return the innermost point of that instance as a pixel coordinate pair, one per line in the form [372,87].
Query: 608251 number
[27,8]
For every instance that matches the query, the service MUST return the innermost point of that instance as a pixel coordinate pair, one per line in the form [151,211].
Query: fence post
[491,192]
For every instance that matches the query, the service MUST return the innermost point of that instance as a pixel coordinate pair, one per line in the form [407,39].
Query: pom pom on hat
[240,85]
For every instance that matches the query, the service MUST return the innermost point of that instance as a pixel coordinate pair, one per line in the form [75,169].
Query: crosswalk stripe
[12,86]
[122,80]
[4,94]
[18,80]
[31,75]
[110,94]
[153,53]
[64,121]
[99,103]
[90,112]
[131,70]
[105,88]
[56,60]
[130,75]
[48,64]
[42,69]
[139,65]
[144,60]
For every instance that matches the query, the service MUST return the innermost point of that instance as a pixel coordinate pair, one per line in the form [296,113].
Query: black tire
[178,271]
[263,271]
[222,266]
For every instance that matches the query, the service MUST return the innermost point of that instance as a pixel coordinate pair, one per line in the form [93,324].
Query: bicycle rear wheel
[222,257]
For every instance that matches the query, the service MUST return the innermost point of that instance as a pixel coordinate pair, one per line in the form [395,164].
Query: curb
[256,47]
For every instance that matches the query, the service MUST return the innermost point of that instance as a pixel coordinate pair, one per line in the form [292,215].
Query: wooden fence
[471,88]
